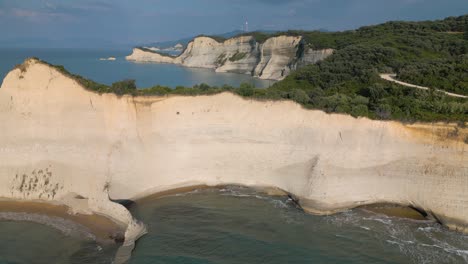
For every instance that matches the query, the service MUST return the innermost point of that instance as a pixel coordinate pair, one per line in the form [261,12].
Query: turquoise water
[87,64]
[26,243]
[239,225]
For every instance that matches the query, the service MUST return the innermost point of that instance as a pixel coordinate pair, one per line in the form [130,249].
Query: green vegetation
[466,33]
[217,38]
[429,53]
[238,56]
[21,67]
[260,37]
[449,74]
[221,59]
[423,53]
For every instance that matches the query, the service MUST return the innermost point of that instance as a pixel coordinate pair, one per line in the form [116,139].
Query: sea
[227,225]
[239,225]
[87,63]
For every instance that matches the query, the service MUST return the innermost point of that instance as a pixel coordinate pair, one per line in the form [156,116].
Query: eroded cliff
[75,147]
[273,59]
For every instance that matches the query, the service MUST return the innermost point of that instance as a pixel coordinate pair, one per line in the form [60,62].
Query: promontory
[274,58]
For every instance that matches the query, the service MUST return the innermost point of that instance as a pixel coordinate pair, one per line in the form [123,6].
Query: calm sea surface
[87,64]
[238,225]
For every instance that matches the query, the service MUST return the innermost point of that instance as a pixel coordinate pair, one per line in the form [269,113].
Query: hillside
[185,41]
[348,81]
[421,53]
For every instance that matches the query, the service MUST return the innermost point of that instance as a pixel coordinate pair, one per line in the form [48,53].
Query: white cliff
[140,55]
[97,147]
[273,59]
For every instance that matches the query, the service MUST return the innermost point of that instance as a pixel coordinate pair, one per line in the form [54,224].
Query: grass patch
[238,56]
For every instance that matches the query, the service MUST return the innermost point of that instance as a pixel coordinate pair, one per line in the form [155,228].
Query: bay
[85,62]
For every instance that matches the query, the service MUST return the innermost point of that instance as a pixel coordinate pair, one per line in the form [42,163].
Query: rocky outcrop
[64,144]
[273,59]
[33,99]
[146,55]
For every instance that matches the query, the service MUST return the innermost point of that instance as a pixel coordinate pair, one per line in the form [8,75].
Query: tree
[384,111]
[466,32]
[124,87]
[246,89]
[300,96]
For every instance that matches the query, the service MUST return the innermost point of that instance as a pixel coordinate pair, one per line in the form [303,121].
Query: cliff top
[155,52]
[450,109]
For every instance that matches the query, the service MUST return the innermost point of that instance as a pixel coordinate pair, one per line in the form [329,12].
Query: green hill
[429,53]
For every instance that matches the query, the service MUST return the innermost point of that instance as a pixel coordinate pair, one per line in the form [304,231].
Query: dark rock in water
[118,237]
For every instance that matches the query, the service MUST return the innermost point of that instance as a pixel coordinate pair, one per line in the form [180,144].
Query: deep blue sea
[86,63]
[238,225]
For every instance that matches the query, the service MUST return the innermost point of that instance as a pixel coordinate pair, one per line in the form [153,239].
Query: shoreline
[387,209]
[94,226]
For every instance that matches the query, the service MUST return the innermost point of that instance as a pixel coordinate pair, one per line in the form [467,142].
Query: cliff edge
[274,59]
[101,147]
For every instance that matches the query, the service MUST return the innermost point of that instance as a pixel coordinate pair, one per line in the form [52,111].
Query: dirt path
[391,78]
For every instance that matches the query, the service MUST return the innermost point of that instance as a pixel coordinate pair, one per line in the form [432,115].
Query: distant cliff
[273,59]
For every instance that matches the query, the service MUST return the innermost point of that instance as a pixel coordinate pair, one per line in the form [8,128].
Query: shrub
[245,89]
[300,96]
[238,56]
[124,87]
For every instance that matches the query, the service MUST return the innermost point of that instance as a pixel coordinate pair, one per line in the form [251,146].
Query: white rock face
[58,140]
[202,52]
[277,55]
[139,55]
[273,59]
[234,55]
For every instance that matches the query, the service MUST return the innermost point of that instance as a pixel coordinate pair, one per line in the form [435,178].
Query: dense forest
[429,53]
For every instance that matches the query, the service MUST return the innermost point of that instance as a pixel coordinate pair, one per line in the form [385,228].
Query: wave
[67,227]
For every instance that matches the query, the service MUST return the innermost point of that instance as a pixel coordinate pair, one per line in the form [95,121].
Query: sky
[123,23]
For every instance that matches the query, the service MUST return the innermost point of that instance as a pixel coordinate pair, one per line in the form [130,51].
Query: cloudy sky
[121,23]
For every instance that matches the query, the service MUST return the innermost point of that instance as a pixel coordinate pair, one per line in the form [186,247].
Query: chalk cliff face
[146,56]
[273,59]
[277,51]
[61,143]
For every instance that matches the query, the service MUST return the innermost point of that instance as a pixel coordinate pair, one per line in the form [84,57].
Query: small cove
[239,225]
